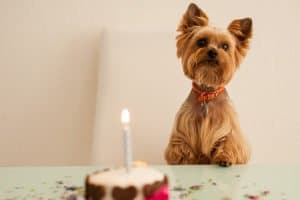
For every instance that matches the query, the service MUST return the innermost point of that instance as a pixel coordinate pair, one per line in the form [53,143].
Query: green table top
[186,182]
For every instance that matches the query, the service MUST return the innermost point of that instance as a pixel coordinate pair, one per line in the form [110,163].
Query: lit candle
[125,119]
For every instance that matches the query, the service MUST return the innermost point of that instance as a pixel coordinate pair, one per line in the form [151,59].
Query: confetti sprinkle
[183,195]
[196,187]
[72,197]
[252,197]
[265,193]
[71,188]
[178,188]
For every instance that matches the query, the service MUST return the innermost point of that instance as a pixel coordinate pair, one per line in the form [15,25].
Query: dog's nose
[212,53]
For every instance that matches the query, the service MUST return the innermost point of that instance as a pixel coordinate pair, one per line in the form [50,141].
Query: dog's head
[210,56]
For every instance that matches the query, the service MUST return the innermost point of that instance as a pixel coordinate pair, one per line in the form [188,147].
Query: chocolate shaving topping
[95,192]
[128,193]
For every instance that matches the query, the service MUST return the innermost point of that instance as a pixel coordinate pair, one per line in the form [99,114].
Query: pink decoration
[161,194]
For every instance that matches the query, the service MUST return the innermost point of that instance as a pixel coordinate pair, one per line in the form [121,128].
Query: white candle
[125,119]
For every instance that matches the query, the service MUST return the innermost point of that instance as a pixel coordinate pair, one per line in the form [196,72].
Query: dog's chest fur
[205,129]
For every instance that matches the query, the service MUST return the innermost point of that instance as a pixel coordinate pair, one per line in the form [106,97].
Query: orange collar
[207,95]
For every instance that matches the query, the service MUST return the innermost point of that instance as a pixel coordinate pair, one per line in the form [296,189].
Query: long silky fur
[197,137]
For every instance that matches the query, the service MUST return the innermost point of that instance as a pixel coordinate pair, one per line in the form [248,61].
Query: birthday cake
[141,183]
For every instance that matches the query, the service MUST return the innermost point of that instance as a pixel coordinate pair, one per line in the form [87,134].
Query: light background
[49,59]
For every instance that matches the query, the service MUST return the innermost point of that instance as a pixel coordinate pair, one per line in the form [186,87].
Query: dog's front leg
[179,151]
[222,153]
[232,149]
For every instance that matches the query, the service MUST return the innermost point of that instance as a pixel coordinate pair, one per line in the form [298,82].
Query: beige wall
[48,73]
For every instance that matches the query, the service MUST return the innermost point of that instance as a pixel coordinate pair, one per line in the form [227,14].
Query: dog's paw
[223,160]
[224,163]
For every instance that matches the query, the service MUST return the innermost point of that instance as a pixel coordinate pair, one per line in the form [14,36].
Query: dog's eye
[202,42]
[225,46]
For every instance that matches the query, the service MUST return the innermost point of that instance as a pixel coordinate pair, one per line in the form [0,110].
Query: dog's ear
[241,29]
[194,16]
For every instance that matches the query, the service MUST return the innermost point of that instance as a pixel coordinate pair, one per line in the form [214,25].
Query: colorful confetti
[265,193]
[195,187]
[71,188]
[65,189]
[60,182]
[178,188]
[252,197]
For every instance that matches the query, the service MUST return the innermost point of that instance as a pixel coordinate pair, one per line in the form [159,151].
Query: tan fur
[215,137]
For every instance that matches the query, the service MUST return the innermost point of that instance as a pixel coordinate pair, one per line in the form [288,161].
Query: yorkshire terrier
[206,129]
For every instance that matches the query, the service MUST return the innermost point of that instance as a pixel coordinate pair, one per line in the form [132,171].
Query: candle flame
[125,116]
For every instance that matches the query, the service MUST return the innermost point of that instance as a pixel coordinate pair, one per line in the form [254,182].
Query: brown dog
[206,129]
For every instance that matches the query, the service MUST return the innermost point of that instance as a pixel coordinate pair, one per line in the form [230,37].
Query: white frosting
[137,177]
